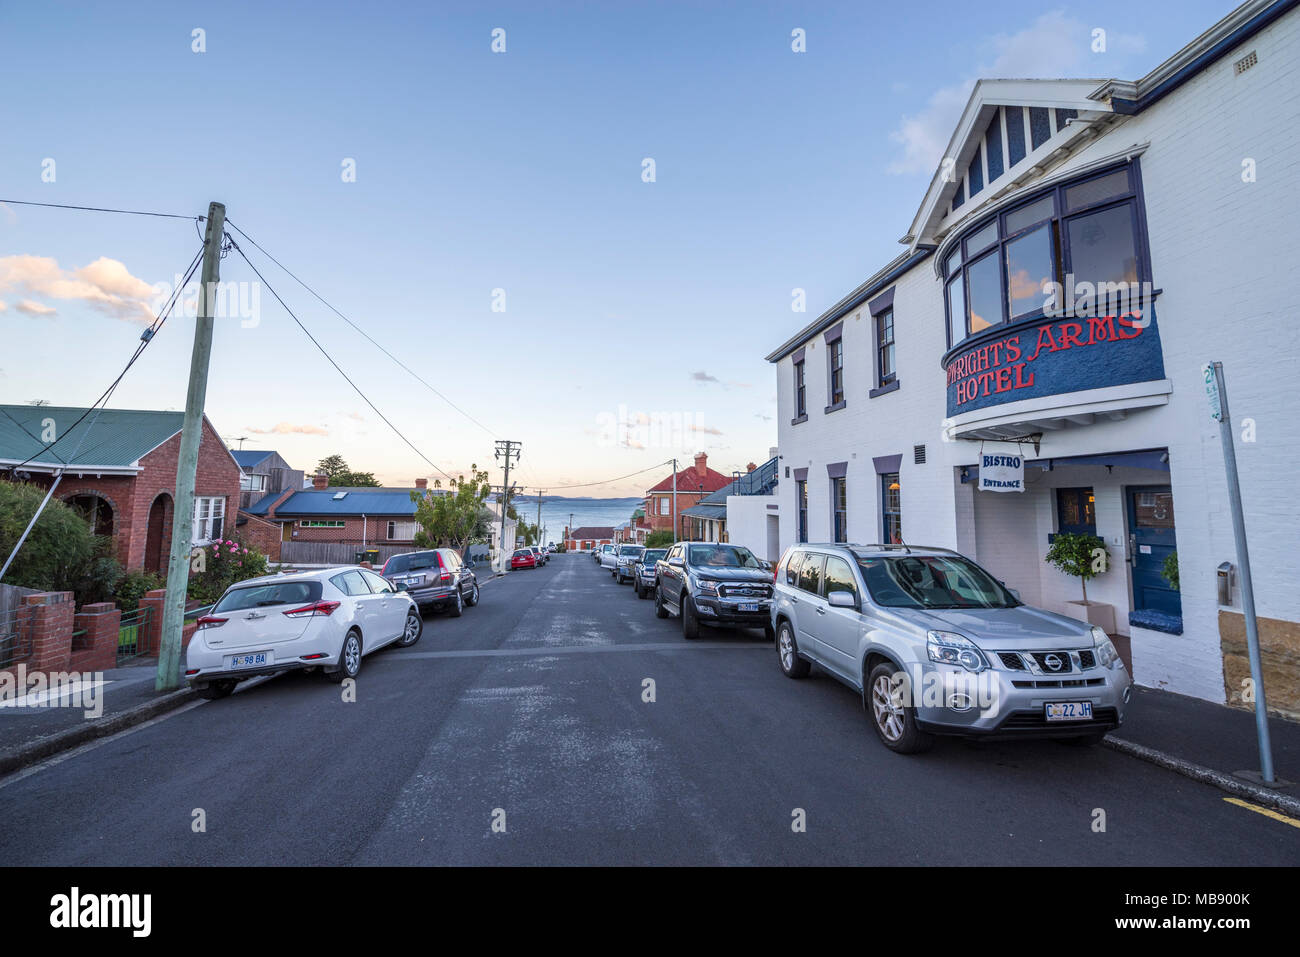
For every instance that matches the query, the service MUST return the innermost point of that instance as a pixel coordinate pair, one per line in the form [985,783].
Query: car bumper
[1014,704]
[432,594]
[727,611]
[210,663]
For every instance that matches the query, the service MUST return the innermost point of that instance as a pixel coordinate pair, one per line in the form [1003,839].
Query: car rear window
[272,593]
[411,562]
[631,550]
[654,554]
[524,553]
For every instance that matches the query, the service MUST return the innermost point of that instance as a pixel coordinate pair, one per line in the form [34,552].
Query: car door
[359,596]
[840,628]
[670,576]
[811,606]
[390,611]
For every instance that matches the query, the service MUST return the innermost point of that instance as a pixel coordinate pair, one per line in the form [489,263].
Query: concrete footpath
[1200,740]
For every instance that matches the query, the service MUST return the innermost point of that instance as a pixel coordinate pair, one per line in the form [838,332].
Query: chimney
[422,483]
[701,462]
[750,467]
[320,480]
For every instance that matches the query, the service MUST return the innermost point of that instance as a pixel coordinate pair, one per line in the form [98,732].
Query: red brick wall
[261,534]
[375,531]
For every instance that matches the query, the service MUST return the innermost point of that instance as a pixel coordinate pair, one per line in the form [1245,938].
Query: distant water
[586,511]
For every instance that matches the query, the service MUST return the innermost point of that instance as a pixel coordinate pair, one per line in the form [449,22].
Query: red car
[523,558]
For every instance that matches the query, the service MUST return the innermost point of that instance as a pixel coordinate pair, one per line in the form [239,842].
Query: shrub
[1169,570]
[133,585]
[223,563]
[662,538]
[60,554]
[1082,556]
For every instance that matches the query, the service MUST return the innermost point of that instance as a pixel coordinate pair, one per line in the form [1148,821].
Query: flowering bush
[218,565]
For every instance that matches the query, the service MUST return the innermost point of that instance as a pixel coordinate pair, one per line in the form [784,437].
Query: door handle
[1132,548]
[821,611]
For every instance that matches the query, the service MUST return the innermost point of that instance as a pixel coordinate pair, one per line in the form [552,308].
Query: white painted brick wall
[1225,254]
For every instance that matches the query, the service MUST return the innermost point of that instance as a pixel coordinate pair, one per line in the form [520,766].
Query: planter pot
[1095,613]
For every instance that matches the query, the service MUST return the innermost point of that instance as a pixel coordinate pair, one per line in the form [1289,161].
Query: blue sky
[478,171]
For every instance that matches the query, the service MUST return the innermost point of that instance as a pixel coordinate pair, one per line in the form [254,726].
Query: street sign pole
[1217,392]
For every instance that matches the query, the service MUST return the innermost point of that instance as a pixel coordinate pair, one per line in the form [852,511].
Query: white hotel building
[1185,182]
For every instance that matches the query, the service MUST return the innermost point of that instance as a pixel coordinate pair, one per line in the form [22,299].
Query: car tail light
[307,611]
[210,621]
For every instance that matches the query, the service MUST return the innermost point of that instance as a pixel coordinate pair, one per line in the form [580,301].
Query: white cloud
[288,428]
[33,308]
[1055,45]
[105,284]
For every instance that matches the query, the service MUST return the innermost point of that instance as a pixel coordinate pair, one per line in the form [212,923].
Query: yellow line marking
[1267,812]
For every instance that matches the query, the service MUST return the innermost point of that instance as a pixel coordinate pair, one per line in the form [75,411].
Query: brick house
[693,483]
[360,517]
[118,466]
[265,475]
[587,537]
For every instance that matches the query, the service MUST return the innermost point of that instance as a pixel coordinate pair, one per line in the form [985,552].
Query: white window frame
[394,527]
[209,515]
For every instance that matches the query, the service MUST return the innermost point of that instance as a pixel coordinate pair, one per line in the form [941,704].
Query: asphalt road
[529,711]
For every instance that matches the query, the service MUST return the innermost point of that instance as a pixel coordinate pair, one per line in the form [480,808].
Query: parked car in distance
[627,556]
[607,556]
[326,618]
[937,645]
[714,584]
[436,578]
[523,558]
[540,554]
[643,571]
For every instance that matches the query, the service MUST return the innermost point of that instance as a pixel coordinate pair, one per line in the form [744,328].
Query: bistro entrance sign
[1051,358]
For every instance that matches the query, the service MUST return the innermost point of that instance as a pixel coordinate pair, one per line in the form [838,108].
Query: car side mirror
[842,599]
[677,562]
[1014,593]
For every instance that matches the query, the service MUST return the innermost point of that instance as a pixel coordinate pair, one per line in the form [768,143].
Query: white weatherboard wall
[1223,255]
[747,523]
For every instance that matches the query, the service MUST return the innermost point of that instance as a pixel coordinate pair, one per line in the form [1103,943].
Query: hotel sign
[1054,357]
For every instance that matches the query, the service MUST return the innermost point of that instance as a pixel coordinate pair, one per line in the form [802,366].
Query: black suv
[714,584]
[436,577]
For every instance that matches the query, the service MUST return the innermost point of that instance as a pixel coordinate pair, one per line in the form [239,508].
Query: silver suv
[937,645]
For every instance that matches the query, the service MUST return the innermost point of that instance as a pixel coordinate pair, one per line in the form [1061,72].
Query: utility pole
[540,493]
[676,521]
[178,567]
[507,449]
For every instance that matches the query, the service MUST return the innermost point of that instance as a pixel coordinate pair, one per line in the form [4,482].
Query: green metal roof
[109,438]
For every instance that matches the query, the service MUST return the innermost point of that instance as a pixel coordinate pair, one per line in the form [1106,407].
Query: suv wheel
[893,719]
[349,658]
[792,666]
[457,605]
[472,600]
[412,631]
[690,621]
[660,610]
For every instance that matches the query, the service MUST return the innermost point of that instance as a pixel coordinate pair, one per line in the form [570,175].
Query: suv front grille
[1011,660]
[1025,720]
[1086,659]
[745,591]
[1053,662]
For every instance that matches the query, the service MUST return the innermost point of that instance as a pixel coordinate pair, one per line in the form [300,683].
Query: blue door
[1151,541]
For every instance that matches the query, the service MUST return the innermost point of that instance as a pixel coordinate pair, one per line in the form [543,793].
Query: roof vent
[1245,63]
[338,496]
[918,454]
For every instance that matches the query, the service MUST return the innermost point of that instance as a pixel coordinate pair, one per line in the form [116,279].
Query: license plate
[1069,710]
[749,606]
[409,581]
[253,660]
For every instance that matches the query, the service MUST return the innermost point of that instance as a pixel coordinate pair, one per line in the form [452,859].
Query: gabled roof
[247,458]
[591,532]
[107,440]
[690,479]
[356,502]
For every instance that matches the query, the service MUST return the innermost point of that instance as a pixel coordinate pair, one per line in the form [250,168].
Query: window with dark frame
[891,509]
[839,510]
[837,371]
[801,508]
[800,392]
[885,370]
[1089,228]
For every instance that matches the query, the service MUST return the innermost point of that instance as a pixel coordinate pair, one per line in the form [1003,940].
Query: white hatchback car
[324,619]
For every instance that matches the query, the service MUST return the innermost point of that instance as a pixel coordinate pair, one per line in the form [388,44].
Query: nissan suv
[435,578]
[714,584]
[627,557]
[937,645]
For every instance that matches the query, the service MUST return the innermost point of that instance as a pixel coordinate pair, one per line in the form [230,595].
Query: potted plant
[1084,557]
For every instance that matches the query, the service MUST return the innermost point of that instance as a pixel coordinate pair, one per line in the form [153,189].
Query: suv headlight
[1105,651]
[709,588]
[949,648]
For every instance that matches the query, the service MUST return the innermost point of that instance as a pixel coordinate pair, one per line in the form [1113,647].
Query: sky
[585,240]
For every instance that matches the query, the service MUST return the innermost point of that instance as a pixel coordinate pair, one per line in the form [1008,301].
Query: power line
[552,488]
[98,209]
[367,335]
[146,337]
[330,358]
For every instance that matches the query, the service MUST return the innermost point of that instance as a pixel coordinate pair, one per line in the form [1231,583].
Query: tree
[1082,556]
[340,475]
[61,548]
[661,538]
[528,534]
[457,518]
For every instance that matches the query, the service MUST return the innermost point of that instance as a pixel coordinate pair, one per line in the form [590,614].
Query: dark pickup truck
[713,583]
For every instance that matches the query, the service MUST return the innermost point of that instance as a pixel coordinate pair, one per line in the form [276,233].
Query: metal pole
[178,568]
[676,521]
[1243,565]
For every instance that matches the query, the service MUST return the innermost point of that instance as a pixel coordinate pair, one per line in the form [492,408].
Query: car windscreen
[931,581]
[411,562]
[631,550]
[723,556]
[272,593]
[653,555]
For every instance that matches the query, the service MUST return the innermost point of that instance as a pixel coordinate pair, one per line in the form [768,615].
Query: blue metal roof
[356,502]
[247,458]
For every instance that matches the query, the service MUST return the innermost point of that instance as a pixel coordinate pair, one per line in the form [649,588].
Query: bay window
[1014,266]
